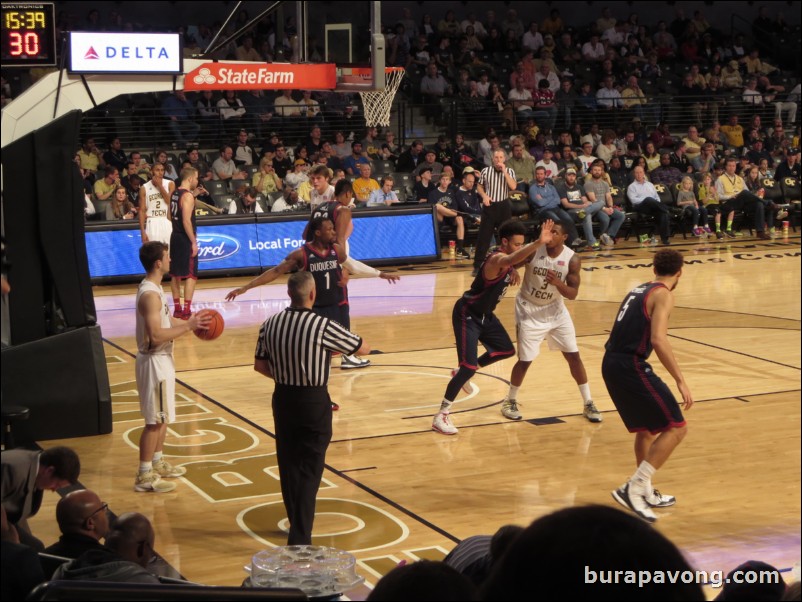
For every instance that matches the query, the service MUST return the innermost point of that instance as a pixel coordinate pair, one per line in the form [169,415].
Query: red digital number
[20,44]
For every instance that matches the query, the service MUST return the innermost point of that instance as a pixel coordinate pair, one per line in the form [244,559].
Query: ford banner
[247,245]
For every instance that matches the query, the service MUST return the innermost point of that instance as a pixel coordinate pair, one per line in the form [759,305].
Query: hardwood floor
[394,490]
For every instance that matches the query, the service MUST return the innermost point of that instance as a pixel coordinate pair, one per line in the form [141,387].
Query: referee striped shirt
[495,184]
[297,345]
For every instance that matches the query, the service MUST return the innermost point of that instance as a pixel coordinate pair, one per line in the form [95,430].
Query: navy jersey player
[645,403]
[473,319]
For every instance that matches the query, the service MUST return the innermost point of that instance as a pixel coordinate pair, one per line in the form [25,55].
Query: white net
[377,105]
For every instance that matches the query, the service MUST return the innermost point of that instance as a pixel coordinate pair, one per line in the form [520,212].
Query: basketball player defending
[338,211]
[473,318]
[154,207]
[540,313]
[644,401]
[184,243]
[155,368]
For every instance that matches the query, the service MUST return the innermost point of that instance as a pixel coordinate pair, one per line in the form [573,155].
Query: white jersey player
[154,207]
[540,313]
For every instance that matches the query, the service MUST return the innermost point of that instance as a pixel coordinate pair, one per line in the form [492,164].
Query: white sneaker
[167,471]
[509,409]
[591,413]
[659,500]
[633,501]
[350,362]
[467,387]
[442,424]
[151,481]
[607,240]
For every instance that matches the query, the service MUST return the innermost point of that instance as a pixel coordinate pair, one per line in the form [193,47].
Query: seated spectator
[364,185]
[753,97]
[91,156]
[430,161]
[608,97]
[692,99]
[706,160]
[644,199]
[433,88]
[757,153]
[26,475]
[390,151]
[586,158]
[574,200]
[169,169]
[591,538]
[384,195]
[129,550]
[181,115]
[290,201]
[282,162]
[195,161]
[83,521]
[770,585]
[693,211]
[410,158]
[246,51]
[610,218]
[607,149]
[545,203]
[424,579]
[733,196]
[224,167]
[679,159]
[266,180]
[523,166]
[443,198]
[245,202]
[468,202]
[651,156]
[298,176]
[309,108]
[618,174]
[116,155]
[734,132]
[232,112]
[258,112]
[634,99]
[475,556]
[789,168]
[357,157]
[789,105]
[208,115]
[120,207]
[755,66]
[731,76]
[544,110]
[593,51]
[104,188]
[243,152]
[21,568]
[370,144]
[665,174]
[548,164]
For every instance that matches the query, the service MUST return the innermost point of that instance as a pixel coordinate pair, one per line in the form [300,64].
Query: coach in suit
[26,475]
[294,349]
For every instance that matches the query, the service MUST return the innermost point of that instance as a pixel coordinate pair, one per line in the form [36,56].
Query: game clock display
[28,35]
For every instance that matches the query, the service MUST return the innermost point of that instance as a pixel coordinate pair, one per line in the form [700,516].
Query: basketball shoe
[634,501]
[659,500]
[509,409]
[151,481]
[167,471]
[442,424]
[591,413]
[467,387]
[350,362]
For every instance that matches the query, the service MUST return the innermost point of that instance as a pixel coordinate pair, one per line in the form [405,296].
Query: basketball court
[395,490]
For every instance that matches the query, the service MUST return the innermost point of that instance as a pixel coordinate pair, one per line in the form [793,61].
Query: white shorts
[155,381]
[159,228]
[534,323]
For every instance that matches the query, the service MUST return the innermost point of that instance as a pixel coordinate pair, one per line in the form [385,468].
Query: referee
[495,184]
[294,349]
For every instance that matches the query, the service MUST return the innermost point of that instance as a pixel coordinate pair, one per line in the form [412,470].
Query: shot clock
[28,35]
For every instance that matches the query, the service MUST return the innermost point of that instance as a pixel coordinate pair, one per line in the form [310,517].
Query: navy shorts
[338,313]
[643,400]
[182,264]
[470,330]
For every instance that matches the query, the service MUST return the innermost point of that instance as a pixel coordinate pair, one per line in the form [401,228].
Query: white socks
[642,479]
[513,394]
[445,406]
[584,390]
[145,467]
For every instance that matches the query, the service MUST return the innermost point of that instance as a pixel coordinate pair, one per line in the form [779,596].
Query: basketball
[215,328]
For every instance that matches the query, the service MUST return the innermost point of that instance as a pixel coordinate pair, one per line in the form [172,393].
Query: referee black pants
[492,217]
[302,418]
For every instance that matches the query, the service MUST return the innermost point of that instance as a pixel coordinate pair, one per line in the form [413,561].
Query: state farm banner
[261,76]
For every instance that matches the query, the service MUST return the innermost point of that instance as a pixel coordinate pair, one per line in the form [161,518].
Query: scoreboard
[28,34]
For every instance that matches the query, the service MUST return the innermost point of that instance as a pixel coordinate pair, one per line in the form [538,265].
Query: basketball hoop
[377,103]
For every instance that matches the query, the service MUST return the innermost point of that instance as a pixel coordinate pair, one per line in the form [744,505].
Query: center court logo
[214,247]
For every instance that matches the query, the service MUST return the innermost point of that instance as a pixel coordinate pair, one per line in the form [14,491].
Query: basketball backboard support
[352,39]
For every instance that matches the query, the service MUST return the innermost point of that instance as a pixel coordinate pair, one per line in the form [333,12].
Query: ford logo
[214,247]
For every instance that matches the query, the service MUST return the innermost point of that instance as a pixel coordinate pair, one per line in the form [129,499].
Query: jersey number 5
[624,308]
